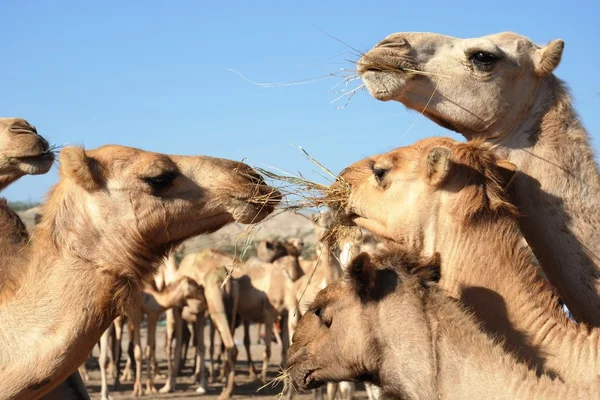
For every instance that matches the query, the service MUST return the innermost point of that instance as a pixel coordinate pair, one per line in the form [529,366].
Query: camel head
[140,204]
[22,151]
[481,87]
[400,195]
[322,221]
[336,339]
[270,250]
[190,289]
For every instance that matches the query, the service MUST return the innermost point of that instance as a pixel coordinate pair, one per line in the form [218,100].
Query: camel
[153,303]
[24,152]
[441,196]
[207,269]
[501,89]
[115,213]
[269,250]
[263,286]
[426,345]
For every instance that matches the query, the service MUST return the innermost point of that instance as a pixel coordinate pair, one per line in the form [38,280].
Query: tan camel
[207,269]
[501,89]
[153,303]
[114,214]
[442,196]
[24,152]
[426,346]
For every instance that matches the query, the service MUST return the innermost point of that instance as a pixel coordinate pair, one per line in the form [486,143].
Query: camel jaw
[35,165]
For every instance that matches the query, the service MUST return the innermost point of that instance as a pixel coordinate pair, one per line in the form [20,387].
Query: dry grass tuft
[283,377]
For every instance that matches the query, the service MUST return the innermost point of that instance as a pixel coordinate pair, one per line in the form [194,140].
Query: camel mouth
[257,206]
[36,164]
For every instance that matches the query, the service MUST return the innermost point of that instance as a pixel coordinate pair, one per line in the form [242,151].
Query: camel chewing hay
[301,193]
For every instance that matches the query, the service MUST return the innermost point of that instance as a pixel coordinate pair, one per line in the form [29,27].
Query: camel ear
[507,171]
[362,274]
[438,164]
[550,57]
[75,164]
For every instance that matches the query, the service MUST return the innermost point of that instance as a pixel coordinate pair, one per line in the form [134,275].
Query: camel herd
[439,295]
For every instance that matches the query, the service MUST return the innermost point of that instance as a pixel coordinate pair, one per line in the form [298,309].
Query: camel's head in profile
[479,86]
[340,337]
[401,195]
[24,152]
[150,202]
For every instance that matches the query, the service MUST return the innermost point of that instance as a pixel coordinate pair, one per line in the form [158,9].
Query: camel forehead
[122,158]
[422,41]
[414,150]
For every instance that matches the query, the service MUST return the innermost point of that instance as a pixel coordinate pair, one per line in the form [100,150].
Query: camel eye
[380,173]
[483,60]
[162,181]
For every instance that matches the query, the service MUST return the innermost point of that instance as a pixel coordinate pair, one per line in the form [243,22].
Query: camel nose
[20,126]
[394,41]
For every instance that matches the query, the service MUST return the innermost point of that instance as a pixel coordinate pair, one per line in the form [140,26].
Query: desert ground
[185,390]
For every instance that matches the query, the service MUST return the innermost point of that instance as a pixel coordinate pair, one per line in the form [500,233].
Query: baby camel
[442,196]
[115,213]
[425,345]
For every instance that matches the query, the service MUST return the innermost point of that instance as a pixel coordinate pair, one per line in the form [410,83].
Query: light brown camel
[114,214]
[153,303]
[264,288]
[501,89]
[425,344]
[441,196]
[207,269]
[24,152]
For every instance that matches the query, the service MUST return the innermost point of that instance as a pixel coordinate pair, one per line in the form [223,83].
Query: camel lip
[45,156]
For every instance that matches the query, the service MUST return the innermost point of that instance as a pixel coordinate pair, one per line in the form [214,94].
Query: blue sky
[153,74]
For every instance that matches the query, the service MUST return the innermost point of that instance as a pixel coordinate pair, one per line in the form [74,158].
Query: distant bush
[22,205]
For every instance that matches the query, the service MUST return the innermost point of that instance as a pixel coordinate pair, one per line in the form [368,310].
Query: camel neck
[45,339]
[470,365]
[488,266]
[558,194]
[159,301]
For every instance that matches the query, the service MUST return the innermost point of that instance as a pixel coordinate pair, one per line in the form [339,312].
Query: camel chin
[36,165]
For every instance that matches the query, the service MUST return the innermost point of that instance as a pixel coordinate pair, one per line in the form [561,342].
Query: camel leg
[269,323]
[137,352]
[373,391]
[284,339]
[318,393]
[332,390]
[128,370]
[103,361]
[259,327]
[117,350]
[251,368]
[200,371]
[211,353]
[174,328]
[151,352]
[83,371]
[186,335]
[347,390]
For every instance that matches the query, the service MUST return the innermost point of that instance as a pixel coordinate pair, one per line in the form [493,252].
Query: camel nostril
[393,42]
[22,127]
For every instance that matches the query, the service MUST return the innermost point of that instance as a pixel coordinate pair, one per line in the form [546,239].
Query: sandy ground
[245,388]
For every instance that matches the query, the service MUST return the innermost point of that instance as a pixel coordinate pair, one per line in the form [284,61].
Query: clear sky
[153,74]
